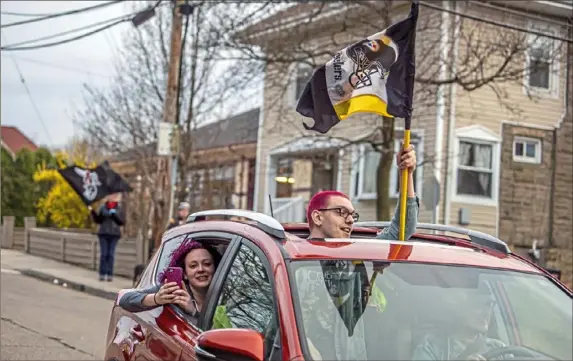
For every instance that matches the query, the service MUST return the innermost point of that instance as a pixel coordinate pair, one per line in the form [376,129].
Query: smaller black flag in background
[94,184]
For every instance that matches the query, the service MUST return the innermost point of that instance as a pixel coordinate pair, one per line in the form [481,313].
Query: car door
[163,332]
[244,297]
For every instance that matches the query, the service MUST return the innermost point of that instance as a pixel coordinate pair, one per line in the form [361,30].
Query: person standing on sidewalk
[110,218]
[182,213]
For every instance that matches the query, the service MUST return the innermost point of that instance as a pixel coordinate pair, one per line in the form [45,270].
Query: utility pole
[170,115]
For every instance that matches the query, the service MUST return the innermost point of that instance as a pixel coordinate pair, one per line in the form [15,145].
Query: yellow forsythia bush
[61,206]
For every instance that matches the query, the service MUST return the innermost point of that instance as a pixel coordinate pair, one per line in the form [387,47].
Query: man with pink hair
[330,214]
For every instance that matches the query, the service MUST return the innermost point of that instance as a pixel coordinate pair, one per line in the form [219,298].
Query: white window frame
[358,163]
[294,71]
[554,66]
[479,135]
[524,158]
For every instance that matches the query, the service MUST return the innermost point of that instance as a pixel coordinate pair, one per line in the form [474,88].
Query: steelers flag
[374,75]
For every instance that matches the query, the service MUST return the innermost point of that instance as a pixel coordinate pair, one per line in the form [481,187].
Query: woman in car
[198,262]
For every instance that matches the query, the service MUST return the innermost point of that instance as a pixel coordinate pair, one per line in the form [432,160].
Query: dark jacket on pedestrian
[110,218]
[174,222]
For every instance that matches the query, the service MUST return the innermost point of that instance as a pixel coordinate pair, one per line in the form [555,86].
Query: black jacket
[175,222]
[109,223]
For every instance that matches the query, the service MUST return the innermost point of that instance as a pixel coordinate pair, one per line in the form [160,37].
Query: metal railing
[288,210]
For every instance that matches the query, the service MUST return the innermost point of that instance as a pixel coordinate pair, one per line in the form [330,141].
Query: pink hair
[320,200]
[177,257]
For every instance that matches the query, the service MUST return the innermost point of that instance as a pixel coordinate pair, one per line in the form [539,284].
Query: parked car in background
[289,298]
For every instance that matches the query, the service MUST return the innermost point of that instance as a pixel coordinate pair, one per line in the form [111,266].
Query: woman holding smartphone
[186,288]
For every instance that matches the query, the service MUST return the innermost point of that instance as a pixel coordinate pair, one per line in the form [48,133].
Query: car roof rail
[262,221]
[482,239]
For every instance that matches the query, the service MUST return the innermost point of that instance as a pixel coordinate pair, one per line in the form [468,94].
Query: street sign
[165,138]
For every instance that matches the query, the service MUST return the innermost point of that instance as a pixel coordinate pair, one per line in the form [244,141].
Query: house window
[527,150]
[367,167]
[211,188]
[541,65]
[303,74]
[222,186]
[475,169]
[194,188]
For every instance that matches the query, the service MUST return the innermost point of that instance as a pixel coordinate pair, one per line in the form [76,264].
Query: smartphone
[174,274]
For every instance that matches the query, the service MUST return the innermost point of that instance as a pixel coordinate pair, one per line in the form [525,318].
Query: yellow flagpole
[404,189]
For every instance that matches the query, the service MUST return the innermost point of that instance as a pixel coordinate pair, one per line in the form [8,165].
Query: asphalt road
[41,321]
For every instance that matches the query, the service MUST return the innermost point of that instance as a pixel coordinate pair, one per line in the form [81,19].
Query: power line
[120,19]
[23,81]
[56,15]
[48,37]
[61,42]
[23,14]
[57,66]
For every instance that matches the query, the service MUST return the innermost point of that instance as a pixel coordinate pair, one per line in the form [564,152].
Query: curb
[68,284]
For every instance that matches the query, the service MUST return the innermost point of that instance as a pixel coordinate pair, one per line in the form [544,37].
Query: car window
[165,256]
[246,299]
[170,245]
[546,327]
[354,309]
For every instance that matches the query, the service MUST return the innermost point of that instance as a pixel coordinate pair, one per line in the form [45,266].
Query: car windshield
[362,310]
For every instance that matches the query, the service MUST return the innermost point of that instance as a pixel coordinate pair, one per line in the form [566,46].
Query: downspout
[441,104]
[451,123]
[568,86]
[552,194]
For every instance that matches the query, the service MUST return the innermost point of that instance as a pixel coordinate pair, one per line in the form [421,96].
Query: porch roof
[306,144]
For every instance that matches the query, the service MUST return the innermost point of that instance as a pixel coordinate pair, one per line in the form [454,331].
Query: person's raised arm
[405,159]
[146,299]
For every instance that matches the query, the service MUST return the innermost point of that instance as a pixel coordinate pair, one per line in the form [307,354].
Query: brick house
[13,140]
[222,175]
[494,168]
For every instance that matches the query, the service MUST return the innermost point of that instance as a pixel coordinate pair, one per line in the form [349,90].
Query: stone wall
[525,190]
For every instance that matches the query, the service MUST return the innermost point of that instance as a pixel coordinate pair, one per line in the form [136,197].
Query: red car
[433,297]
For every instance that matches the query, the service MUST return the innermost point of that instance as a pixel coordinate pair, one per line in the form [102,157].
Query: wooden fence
[78,248]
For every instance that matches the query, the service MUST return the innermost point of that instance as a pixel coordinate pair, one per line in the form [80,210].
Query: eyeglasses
[343,212]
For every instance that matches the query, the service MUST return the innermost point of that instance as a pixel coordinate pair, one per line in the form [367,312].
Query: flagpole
[404,184]
[408,119]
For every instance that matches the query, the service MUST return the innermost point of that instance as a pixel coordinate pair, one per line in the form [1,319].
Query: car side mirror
[230,344]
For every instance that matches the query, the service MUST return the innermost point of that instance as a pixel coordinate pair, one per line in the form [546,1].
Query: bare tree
[123,118]
[489,55]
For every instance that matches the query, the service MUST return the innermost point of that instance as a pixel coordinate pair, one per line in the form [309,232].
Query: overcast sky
[54,75]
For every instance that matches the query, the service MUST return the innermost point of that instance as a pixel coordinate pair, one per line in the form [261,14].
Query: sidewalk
[64,274]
